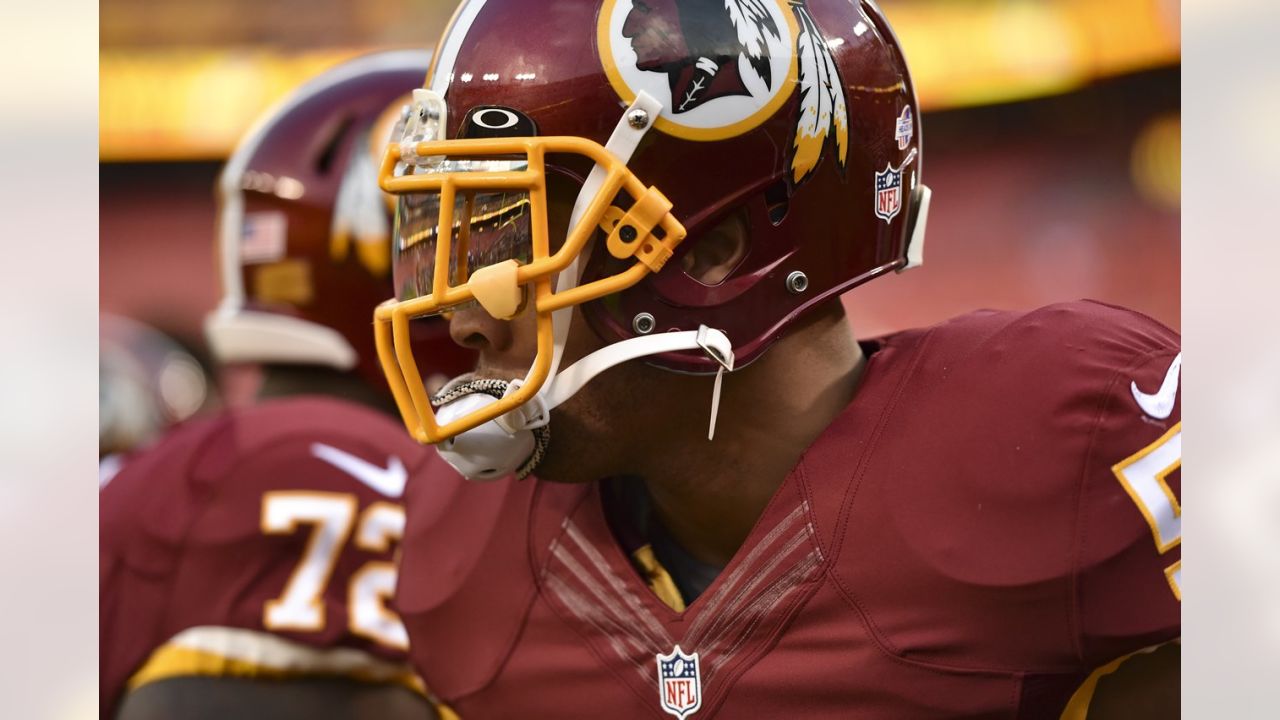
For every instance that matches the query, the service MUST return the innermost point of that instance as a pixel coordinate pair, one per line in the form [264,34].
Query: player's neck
[709,494]
[292,380]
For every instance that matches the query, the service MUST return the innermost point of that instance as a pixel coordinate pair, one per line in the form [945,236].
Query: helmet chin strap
[516,441]
[623,142]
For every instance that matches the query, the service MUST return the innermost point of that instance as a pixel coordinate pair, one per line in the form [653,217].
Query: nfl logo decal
[679,683]
[906,129]
[888,193]
[889,188]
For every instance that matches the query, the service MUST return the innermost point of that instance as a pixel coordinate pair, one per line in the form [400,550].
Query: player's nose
[475,329]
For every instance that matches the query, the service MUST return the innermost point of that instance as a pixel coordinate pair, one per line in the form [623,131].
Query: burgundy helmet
[797,116]
[304,233]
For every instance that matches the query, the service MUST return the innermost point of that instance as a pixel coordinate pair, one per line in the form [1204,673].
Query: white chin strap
[508,444]
[514,443]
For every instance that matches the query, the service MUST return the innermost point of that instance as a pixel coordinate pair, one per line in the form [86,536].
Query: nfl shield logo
[888,193]
[679,683]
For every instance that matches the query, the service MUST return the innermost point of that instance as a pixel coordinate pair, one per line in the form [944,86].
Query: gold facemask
[463,200]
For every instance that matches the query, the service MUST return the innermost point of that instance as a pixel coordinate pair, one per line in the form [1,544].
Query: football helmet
[671,116]
[304,233]
[146,382]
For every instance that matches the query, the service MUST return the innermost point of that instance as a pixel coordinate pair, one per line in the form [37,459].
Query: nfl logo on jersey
[888,193]
[679,683]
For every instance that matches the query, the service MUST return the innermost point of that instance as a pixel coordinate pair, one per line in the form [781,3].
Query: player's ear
[718,251]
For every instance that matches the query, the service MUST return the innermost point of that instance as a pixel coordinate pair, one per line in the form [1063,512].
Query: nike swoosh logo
[1159,404]
[387,480]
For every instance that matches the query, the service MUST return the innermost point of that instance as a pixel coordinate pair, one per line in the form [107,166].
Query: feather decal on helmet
[822,107]
[360,214]
[752,21]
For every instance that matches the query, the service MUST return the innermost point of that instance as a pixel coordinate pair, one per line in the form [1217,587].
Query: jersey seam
[1015,694]
[526,607]
[206,497]
[539,591]
[877,636]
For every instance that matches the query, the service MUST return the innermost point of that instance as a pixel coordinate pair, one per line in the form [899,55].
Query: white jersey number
[1144,476]
[331,517]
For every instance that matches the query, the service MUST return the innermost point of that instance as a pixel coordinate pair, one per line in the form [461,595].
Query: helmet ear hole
[329,149]
[715,254]
[777,198]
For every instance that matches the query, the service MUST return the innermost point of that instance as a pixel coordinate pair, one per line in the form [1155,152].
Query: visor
[487,228]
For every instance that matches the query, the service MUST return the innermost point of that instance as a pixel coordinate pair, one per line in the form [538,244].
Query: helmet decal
[722,67]
[360,214]
[494,121]
[719,67]
[822,106]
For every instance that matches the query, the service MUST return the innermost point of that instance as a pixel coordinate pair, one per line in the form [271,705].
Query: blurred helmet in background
[146,382]
[303,230]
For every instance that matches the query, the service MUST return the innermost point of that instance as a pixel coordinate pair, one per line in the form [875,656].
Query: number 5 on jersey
[1144,476]
[331,516]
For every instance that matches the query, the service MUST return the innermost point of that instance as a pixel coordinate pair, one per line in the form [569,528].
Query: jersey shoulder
[990,483]
[218,467]
[297,425]
[467,580]
[1054,351]
[987,380]
[258,540]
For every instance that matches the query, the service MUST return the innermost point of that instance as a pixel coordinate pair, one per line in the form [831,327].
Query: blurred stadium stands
[1052,146]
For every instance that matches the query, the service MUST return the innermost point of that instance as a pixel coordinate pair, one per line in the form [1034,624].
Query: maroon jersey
[261,543]
[992,519]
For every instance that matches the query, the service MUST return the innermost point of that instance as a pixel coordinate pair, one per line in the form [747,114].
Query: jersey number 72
[331,517]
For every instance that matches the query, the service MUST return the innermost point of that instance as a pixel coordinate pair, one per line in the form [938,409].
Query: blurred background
[1052,144]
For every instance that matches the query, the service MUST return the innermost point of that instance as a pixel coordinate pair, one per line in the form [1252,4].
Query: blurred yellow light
[193,104]
[180,104]
[1156,162]
[986,51]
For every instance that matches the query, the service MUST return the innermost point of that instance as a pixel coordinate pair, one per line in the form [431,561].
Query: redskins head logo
[723,67]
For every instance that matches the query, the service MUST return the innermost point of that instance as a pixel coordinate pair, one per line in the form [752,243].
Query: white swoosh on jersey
[389,480]
[1160,403]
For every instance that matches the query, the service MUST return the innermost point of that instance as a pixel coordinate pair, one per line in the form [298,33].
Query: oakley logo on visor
[492,121]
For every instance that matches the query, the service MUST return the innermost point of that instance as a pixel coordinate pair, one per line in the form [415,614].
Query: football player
[146,383]
[642,215]
[248,559]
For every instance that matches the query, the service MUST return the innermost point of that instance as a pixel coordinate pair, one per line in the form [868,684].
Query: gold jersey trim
[1078,706]
[231,652]
[658,579]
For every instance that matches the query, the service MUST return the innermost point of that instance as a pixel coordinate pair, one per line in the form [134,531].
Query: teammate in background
[146,383]
[248,558]
[978,519]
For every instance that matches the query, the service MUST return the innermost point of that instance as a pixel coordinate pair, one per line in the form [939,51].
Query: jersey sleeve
[1128,532]
[139,545]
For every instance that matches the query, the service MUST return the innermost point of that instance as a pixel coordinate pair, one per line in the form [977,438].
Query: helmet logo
[494,118]
[905,128]
[491,121]
[723,67]
[719,68]
[889,189]
[360,213]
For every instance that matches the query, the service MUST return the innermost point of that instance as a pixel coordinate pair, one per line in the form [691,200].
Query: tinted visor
[486,228]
